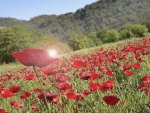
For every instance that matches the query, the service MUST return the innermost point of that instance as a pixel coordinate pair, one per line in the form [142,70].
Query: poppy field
[114,80]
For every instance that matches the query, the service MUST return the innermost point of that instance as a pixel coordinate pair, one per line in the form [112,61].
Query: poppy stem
[37,75]
[76,108]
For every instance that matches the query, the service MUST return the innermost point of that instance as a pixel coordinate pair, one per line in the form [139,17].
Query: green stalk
[34,68]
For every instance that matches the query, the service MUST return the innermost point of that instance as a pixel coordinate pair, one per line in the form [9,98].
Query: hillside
[102,14]
[107,80]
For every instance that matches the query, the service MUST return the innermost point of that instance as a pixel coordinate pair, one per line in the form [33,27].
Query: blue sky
[26,9]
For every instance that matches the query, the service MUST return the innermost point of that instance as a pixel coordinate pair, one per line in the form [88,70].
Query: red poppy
[146,79]
[64,85]
[93,86]
[110,73]
[136,66]
[84,76]
[94,76]
[30,76]
[49,97]
[33,57]
[34,108]
[17,105]
[49,71]
[111,100]
[37,90]
[25,95]
[108,85]
[7,94]
[2,111]
[70,95]
[128,73]
[62,78]
[142,87]
[79,97]
[14,89]
[86,92]
[55,100]
[127,66]
[78,64]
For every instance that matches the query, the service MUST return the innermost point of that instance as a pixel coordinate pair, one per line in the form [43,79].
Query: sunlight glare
[53,53]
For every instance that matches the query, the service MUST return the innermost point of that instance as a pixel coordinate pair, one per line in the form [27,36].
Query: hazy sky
[26,9]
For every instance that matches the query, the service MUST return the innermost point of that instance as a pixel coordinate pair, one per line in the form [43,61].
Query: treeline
[80,41]
[102,14]
[19,38]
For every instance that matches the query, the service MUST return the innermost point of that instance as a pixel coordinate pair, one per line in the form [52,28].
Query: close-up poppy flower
[33,57]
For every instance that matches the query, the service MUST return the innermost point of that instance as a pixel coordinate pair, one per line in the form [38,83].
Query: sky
[26,9]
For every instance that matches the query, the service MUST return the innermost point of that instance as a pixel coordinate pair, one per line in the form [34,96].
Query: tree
[14,39]
[94,38]
[111,35]
[80,41]
[136,30]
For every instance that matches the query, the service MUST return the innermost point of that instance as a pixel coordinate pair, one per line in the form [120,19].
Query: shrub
[95,39]
[136,30]
[110,36]
[80,41]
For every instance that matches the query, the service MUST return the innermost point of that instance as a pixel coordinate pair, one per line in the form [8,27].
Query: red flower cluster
[145,85]
[103,71]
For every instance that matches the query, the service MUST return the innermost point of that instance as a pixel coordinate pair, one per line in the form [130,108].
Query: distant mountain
[102,14]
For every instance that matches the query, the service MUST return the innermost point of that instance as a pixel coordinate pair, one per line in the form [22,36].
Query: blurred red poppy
[146,79]
[64,85]
[2,111]
[108,85]
[34,108]
[37,90]
[25,95]
[78,64]
[33,57]
[50,97]
[86,92]
[93,86]
[111,100]
[70,95]
[7,94]
[14,89]
[128,73]
[30,76]
[136,66]
[17,105]
[110,73]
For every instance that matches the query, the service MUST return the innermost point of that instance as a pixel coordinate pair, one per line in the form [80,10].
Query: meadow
[113,78]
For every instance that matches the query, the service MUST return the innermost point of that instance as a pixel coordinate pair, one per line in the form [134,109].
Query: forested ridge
[103,14]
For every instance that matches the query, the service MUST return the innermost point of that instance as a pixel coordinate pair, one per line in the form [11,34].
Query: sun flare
[53,53]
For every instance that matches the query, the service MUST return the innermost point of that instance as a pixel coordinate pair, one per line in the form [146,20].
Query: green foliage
[12,39]
[147,24]
[135,30]
[125,34]
[101,34]
[111,35]
[94,38]
[80,41]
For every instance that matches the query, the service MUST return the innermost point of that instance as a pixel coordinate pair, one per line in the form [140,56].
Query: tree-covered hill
[102,14]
